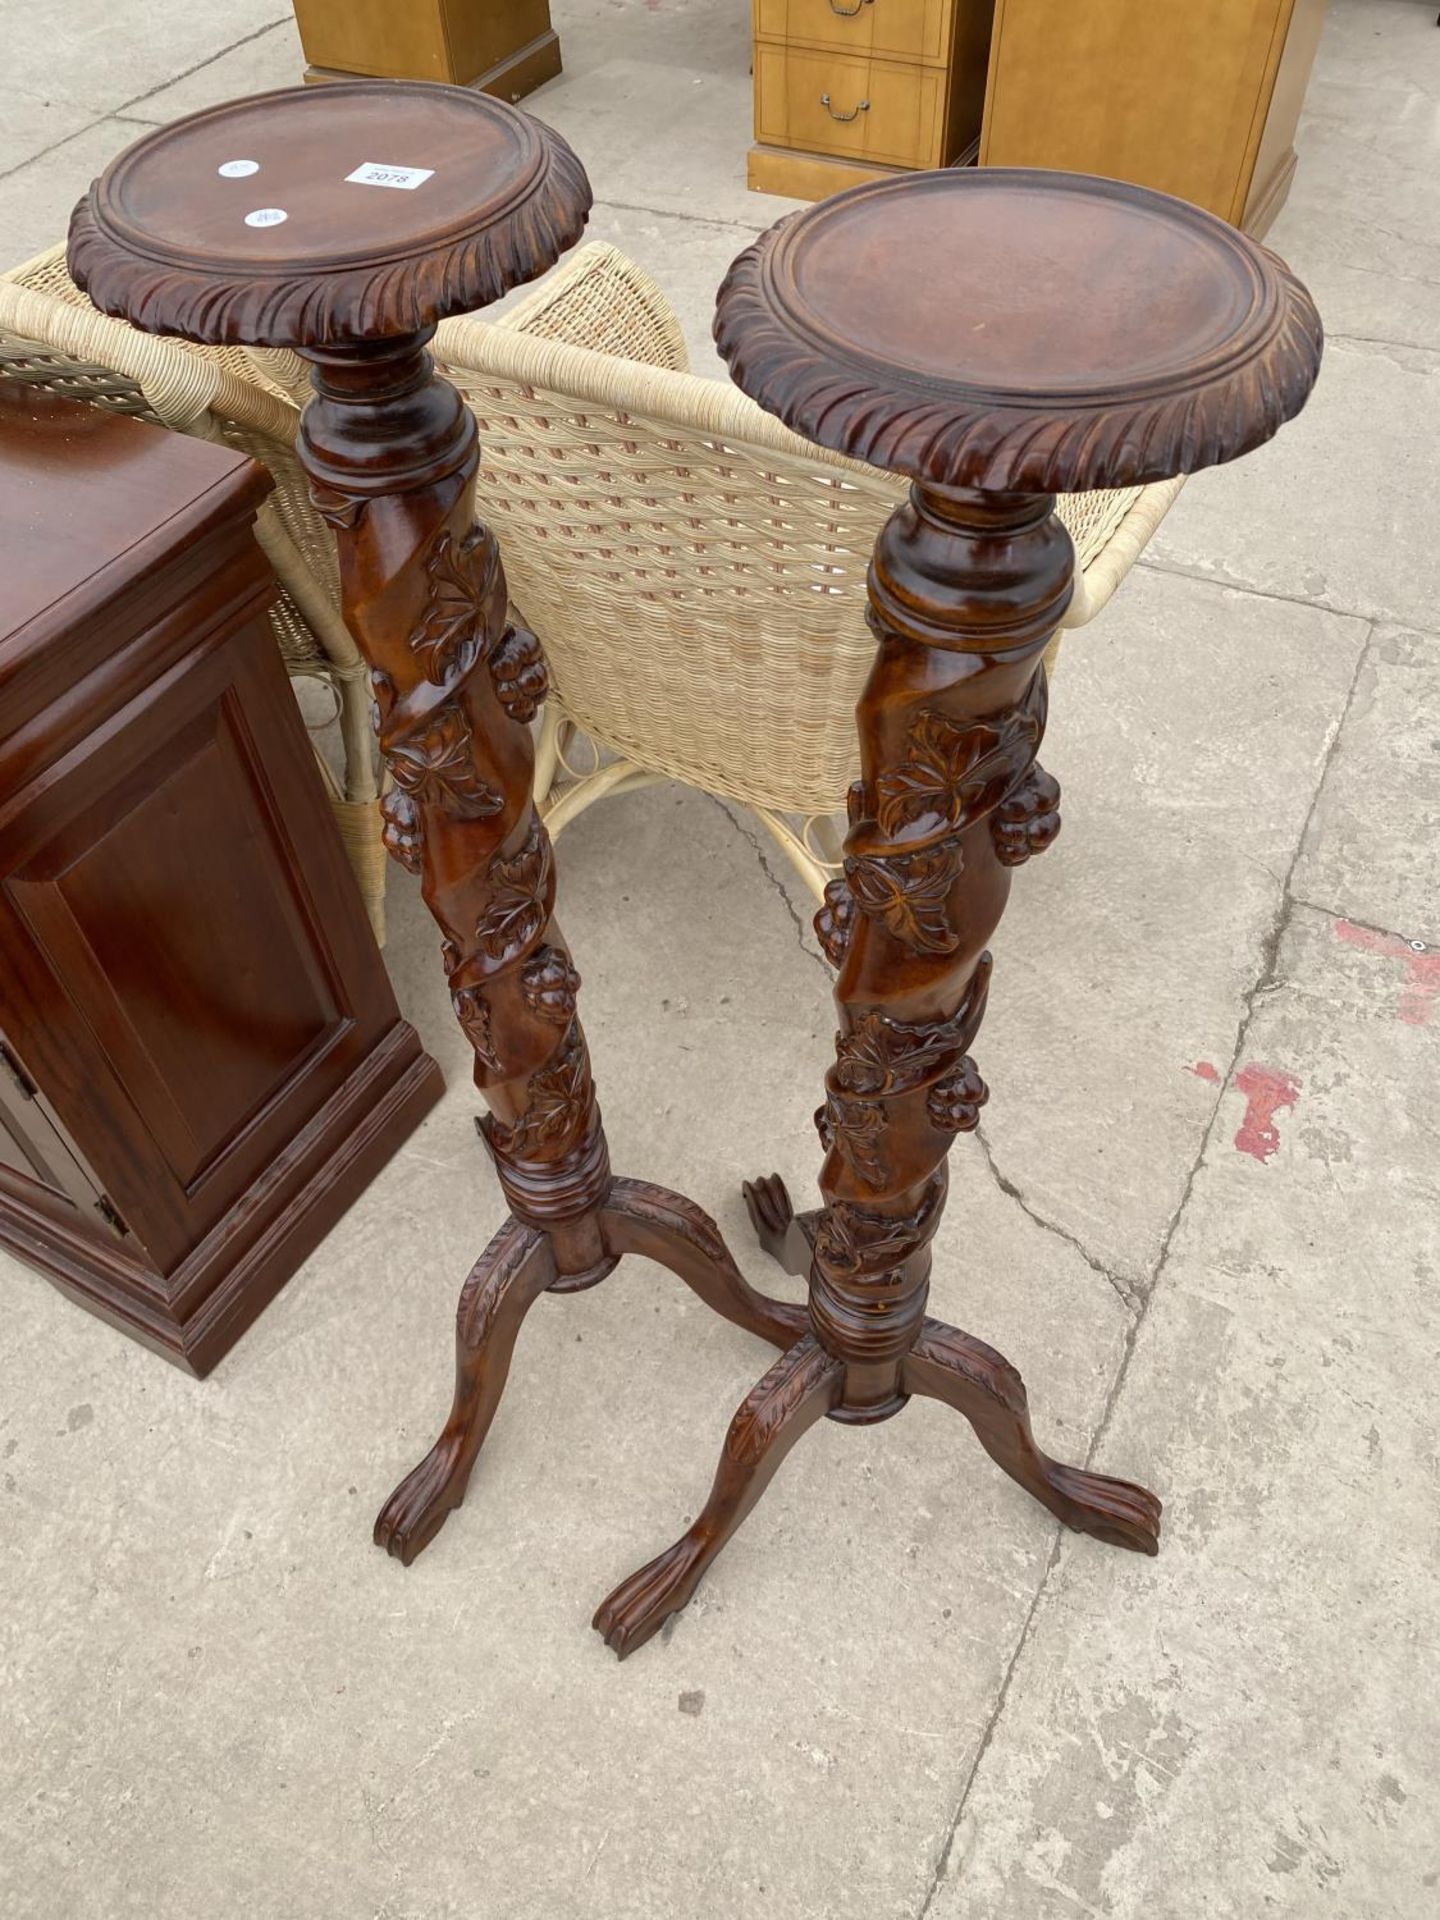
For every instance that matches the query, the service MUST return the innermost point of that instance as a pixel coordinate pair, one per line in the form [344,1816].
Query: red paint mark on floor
[1267,1091]
[1204,1070]
[1422,968]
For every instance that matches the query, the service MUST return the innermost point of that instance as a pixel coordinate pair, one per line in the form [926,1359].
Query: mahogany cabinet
[201,1058]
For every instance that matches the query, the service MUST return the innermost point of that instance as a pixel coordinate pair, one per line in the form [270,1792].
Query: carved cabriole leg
[802,1385]
[975,1380]
[506,1281]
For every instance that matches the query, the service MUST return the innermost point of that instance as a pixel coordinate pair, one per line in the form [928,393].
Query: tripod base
[806,1383]
[509,1277]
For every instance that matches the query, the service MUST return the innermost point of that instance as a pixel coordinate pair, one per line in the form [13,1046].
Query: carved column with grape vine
[457,682]
[950,798]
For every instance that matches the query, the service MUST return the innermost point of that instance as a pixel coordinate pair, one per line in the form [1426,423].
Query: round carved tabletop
[1015,329]
[320,215]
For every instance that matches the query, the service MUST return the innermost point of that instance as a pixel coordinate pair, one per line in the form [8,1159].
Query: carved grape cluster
[550,984]
[834,921]
[955,1102]
[518,667]
[401,833]
[1027,821]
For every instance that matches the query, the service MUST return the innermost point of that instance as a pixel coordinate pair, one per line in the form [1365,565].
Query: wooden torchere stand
[245,224]
[1000,337]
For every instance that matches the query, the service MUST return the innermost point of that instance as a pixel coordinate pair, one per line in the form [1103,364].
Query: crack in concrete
[1266,979]
[1008,1187]
[801,929]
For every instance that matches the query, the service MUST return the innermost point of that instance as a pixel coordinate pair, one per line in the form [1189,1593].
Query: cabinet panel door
[1170,96]
[183,1001]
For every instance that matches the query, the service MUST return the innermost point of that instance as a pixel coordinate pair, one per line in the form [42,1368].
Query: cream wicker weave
[695,572]
[50,336]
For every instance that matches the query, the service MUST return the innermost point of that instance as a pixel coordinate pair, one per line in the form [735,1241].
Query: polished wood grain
[864,324]
[355,281]
[204,1063]
[1198,101]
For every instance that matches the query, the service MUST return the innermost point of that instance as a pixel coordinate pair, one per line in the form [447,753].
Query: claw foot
[1115,1511]
[768,1203]
[641,1605]
[788,1237]
[423,1501]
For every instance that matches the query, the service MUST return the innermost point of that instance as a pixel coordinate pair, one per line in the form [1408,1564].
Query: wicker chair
[51,337]
[695,572]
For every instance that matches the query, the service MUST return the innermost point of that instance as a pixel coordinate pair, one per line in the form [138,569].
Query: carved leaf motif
[880,1055]
[518,669]
[1148,432]
[558,1097]
[436,765]
[855,1127]
[473,1013]
[401,833]
[955,772]
[489,1282]
[517,909]
[851,1240]
[290,307]
[645,1201]
[776,1396]
[466,603]
[908,892]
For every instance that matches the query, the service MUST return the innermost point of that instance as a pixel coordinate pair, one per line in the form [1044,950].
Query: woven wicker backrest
[695,572]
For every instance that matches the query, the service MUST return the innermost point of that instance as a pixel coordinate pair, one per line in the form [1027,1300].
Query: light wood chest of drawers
[846,90]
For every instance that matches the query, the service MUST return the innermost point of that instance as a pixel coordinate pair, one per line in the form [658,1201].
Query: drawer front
[893,29]
[872,110]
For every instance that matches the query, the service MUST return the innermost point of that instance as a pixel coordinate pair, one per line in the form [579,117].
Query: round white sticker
[266,217]
[237,169]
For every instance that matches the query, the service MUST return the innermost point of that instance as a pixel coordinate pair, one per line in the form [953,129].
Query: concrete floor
[903,1692]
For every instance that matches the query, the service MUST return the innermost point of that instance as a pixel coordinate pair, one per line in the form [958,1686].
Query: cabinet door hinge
[24,1085]
[110,1213]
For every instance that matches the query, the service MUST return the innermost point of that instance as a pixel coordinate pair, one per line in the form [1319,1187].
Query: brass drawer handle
[849,13]
[864,107]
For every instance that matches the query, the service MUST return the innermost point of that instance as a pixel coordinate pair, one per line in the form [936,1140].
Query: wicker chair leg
[549,744]
[620,776]
[357,733]
[813,872]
